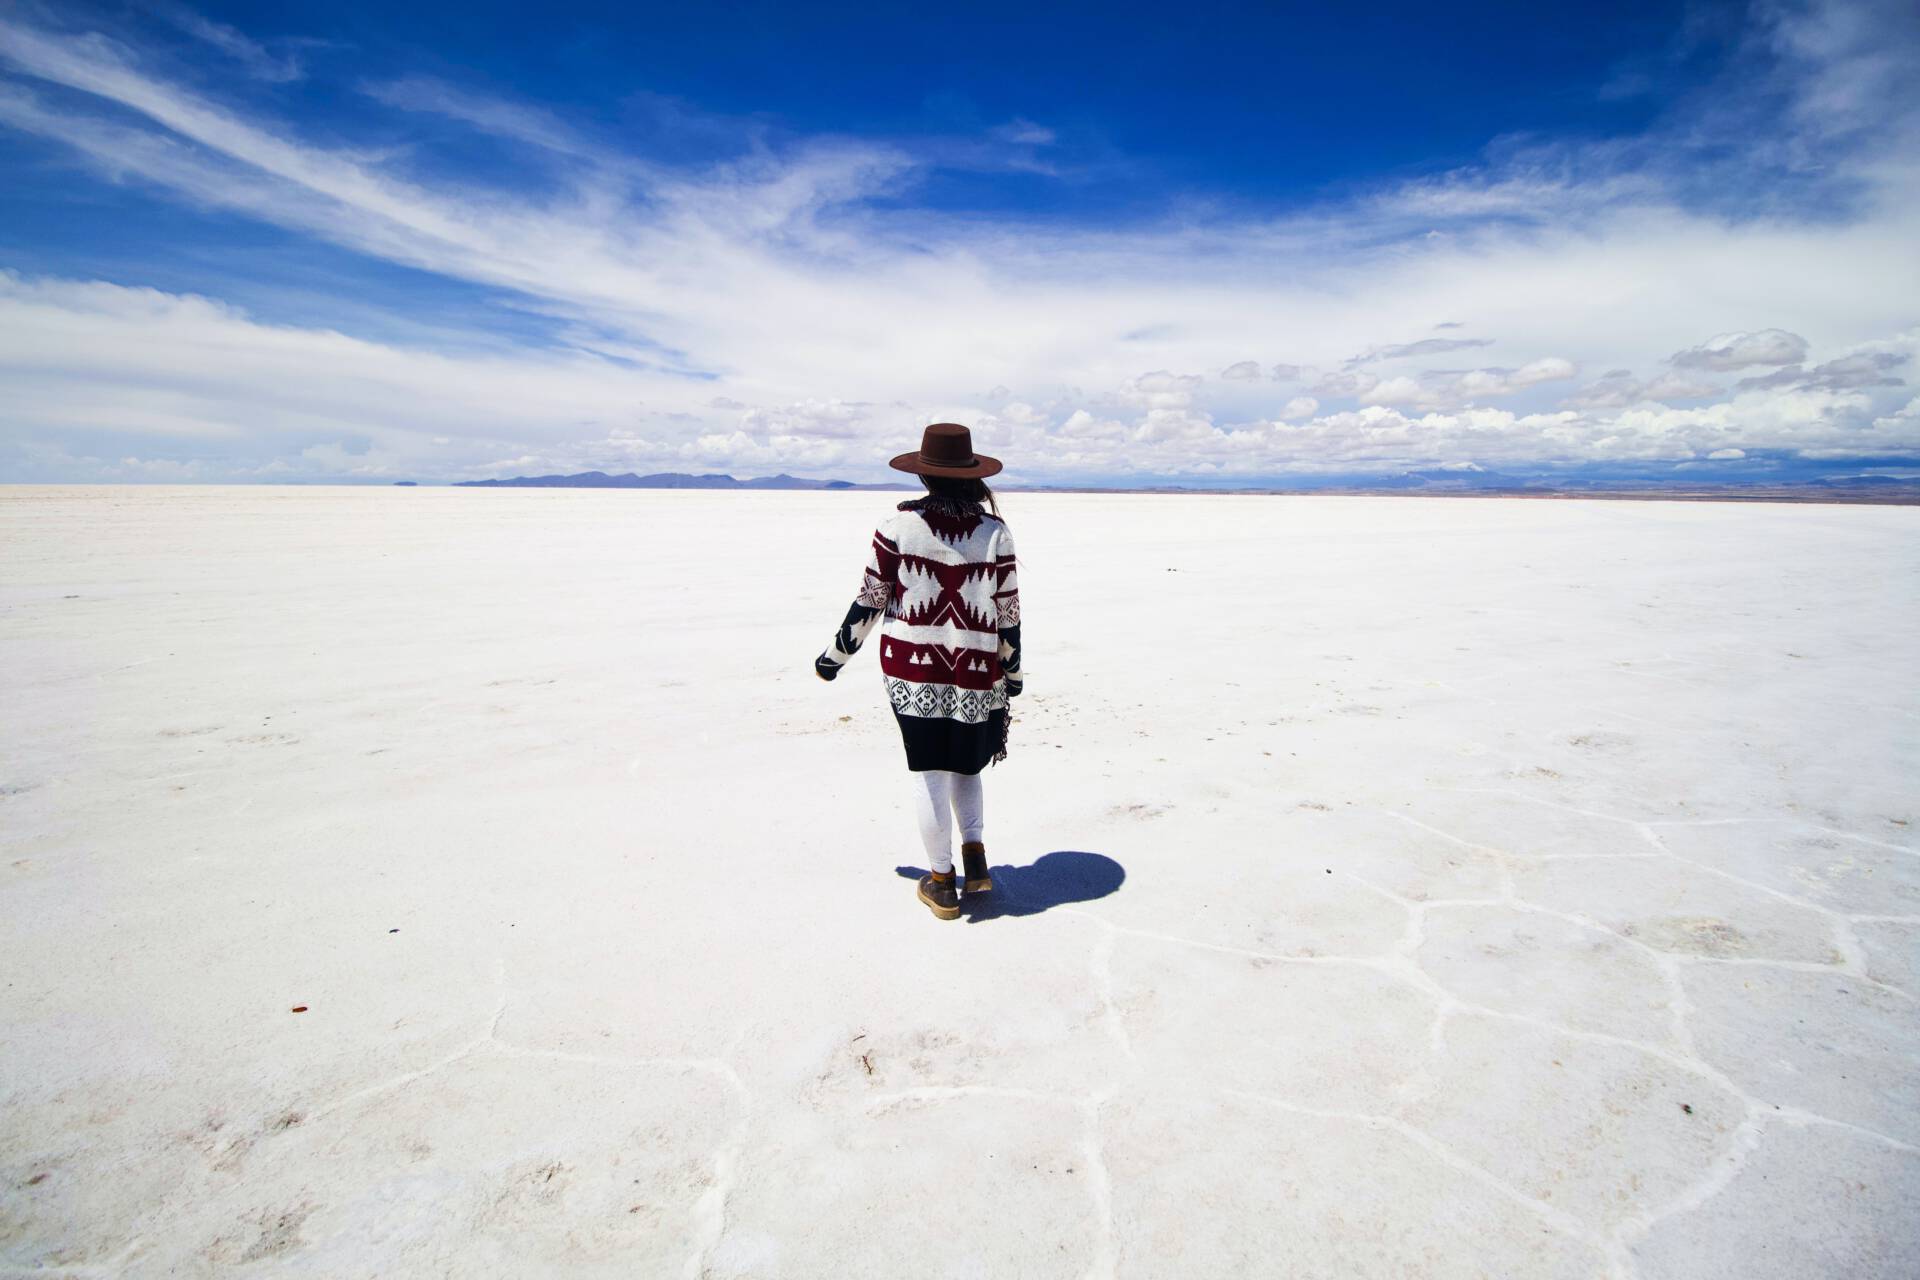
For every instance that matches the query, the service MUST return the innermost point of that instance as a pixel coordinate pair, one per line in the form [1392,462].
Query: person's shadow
[1054,880]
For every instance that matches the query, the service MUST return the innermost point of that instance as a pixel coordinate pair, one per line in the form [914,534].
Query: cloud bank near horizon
[782,308]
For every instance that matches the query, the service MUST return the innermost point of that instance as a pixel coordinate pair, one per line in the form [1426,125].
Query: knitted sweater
[943,575]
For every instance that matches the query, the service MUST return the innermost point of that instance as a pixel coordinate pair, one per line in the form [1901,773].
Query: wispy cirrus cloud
[255,58]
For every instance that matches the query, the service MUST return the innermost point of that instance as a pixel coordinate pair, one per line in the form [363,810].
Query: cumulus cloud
[1728,351]
[1614,389]
[1081,425]
[1337,385]
[1288,372]
[824,419]
[1618,388]
[1243,371]
[1848,373]
[1675,386]
[1442,388]
[1161,390]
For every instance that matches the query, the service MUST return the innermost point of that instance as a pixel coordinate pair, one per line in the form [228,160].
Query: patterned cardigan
[943,574]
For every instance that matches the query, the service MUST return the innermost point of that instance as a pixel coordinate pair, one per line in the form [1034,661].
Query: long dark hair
[967,489]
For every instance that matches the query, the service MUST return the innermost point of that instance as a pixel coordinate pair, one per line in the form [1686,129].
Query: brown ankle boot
[973,859]
[940,895]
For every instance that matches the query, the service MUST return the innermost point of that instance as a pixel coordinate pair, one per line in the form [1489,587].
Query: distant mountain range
[665,480]
[1770,476]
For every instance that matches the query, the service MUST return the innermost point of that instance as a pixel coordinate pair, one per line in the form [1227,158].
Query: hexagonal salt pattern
[1830,1044]
[1837,870]
[1598,1130]
[1673,907]
[1517,893]
[1892,951]
[1237,1187]
[1812,1200]
[1549,967]
[937,1183]
[597,1167]
[1329,1034]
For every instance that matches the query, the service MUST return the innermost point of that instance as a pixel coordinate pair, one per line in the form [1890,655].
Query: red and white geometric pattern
[947,582]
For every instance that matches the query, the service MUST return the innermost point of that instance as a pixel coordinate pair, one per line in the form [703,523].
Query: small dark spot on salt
[39,1178]
[299,1008]
[393,931]
[1687,1107]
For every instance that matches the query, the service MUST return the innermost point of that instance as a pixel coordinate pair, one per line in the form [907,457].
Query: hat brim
[911,462]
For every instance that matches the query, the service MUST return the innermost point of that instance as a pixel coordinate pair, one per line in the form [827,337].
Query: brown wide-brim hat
[946,449]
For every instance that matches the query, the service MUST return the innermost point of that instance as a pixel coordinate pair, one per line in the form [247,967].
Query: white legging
[939,797]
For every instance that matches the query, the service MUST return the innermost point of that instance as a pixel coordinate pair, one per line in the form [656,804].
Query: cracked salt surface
[1588,950]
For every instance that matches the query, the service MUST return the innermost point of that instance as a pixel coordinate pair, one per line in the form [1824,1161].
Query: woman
[941,568]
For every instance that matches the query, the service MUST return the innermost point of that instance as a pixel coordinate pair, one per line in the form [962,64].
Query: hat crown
[947,444]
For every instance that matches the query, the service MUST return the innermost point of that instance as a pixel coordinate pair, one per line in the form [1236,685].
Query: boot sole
[978,886]
[944,913]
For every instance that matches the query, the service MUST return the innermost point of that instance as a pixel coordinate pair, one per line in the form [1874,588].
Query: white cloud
[1358,384]
[769,311]
[1674,386]
[1424,347]
[1440,389]
[260,63]
[1026,133]
[837,419]
[1161,390]
[490,115]
[1546,369]
[1727,351]
[1851,372]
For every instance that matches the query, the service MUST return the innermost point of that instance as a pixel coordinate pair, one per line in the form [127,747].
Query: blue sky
[1222,244]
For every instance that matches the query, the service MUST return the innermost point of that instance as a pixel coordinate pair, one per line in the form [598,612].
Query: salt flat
[1389,888]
